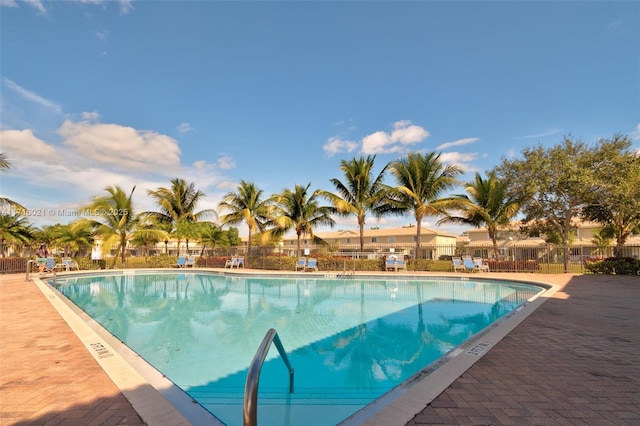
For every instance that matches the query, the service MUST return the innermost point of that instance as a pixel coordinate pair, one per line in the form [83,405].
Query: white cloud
[121,146]
[102,35]
[90,116]
[403,135]
[226,163]
[463,159]
[31,96]
[8,3]
[459,142]
[23,144]
[36,4]
[551,132]
[635,135]
[126,6]
[336,145]
[184,127]
[614,24]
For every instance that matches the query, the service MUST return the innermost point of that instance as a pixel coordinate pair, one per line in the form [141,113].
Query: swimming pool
[350,341]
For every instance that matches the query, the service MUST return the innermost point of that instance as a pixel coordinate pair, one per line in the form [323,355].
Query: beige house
[434,243]
[377,243]
[476,242]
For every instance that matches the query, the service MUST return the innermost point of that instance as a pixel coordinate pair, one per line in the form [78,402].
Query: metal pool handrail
[29,263]
[253,376]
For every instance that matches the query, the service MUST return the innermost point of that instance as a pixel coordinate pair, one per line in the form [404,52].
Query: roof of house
[382,232]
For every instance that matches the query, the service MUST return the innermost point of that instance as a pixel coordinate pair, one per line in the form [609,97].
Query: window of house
[374,239]
[391,239]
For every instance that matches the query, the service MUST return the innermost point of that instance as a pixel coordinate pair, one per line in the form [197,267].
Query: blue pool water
[349,341]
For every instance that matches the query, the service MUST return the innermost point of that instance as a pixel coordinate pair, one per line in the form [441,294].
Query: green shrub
[613,266]
[160,261]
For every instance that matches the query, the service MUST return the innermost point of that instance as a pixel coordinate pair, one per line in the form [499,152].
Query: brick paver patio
[47,377]
[575,360]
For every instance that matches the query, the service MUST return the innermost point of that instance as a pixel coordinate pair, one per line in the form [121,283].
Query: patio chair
[190,263]
[68,264]
[480,265]
[390,263]
[180,262]
[230,263]
[50,266]
[468,264]
[457,264]
[301,264]
[239,262]
[312,264]
[401,264]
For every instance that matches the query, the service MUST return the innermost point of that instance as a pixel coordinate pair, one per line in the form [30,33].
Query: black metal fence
[539,259]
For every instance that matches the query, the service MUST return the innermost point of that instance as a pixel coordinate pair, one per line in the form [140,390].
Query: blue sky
[97,93]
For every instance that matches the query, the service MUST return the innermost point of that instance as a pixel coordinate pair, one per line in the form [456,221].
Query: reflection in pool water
[350,341]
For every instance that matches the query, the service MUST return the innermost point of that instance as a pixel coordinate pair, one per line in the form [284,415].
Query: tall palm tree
[361,192]
[117,222]
[301,211]
[487,204]
[178,208]
[14,229]
[422,180]
[247,205]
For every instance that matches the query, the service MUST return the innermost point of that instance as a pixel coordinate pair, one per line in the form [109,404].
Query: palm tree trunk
[418,236]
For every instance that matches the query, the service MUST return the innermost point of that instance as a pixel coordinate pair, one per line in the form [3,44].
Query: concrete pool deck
[574,360]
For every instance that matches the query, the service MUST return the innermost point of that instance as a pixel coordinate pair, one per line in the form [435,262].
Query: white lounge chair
[457,264]
[390,263]
[50,266]
[68,264]
[469,264]
[312,264]
[480,265]
[301,264]
[400,264]
[230,263]
[190,263]
[180,262]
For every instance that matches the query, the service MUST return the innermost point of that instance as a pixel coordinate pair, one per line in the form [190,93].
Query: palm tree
[177,208]
[421,181]
[602,239]
[5,164]
[210,234]
[14,228]
[361,193]
[4,161]
[117,223]
[487,204]
[247,205]
[297,209]
[76,237]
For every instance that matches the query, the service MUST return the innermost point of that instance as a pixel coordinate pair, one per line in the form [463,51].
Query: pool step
[302,396]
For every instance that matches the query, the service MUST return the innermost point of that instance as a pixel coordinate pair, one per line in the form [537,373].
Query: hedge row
[613,266]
